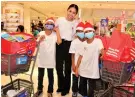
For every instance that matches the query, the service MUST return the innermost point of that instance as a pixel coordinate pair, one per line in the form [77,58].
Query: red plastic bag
[26,47]
[121,48]
[105,40]
[132,50]
[115,47]
[117,44]
[128,54]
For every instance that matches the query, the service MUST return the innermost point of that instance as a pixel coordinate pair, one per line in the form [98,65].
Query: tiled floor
[6,79]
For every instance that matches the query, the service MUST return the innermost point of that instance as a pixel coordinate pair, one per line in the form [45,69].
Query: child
[46,58]
[75,48]
[88,62]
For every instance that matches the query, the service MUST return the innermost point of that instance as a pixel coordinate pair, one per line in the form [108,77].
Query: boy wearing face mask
[75,48]
[46,57]
[88,62]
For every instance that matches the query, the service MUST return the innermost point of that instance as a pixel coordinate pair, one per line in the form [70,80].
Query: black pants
[75,83]
[63,65]
[50,79]
[83,89]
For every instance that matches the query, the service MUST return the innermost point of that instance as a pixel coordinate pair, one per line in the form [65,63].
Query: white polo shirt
[67,28]
[75,48]
[89,65]
[47,51]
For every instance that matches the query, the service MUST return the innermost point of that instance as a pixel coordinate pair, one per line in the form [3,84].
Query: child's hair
[95,28]
[74,6]
[21,28]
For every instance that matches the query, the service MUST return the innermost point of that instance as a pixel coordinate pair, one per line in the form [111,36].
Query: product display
[12,19]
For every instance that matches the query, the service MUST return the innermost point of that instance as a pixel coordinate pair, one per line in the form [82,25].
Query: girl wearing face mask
[88,62]
[67,26]
[75,48]
[46,57]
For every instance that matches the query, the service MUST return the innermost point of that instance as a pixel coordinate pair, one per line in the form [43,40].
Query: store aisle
[6,79]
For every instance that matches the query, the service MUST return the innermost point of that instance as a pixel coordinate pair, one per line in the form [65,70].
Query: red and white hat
[50,20]
[80,26]
[88,26]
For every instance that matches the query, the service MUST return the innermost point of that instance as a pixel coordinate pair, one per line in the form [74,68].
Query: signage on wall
[104,22]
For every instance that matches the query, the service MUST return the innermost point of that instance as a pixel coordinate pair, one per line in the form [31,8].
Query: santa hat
[88,26]
[80,26]
[50,20]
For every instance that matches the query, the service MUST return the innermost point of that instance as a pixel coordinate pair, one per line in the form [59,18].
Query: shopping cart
[118,92]
[116,74]
[17,85]
[18,60]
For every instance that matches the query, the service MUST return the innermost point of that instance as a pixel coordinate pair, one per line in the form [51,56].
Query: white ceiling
[89,9]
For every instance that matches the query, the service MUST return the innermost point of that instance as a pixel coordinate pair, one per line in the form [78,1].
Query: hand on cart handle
[101,57]
[40,39]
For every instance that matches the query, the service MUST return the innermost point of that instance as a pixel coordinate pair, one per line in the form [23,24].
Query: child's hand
[76,72]
[73,68]
[42,38]
[56,29]
[101,57]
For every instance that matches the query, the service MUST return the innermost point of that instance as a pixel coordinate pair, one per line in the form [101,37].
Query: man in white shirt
[87,64]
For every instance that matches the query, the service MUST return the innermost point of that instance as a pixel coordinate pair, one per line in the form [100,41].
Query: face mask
[89,35]
[49,27]
[80,35]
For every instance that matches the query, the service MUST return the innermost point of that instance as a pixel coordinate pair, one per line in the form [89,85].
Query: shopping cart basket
[116,72]
[117,92]
[17,85]
[16,56]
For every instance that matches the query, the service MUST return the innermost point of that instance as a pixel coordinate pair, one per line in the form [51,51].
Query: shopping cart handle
[33,58]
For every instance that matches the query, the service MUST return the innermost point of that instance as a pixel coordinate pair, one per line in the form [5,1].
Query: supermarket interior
[39,37]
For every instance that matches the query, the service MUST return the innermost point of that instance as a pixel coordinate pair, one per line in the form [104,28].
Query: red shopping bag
[26,47]
[128,54]
[105,40]
[132,50]
[116,46]
[126,57]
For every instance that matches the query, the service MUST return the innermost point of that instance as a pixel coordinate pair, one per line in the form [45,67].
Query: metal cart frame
[115,83]
[33,58]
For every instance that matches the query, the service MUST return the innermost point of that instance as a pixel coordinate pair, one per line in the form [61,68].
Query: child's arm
[102,53]
[73,51]
[73,61]
[59,40]
[78,64]
[40,37]
[101,48]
